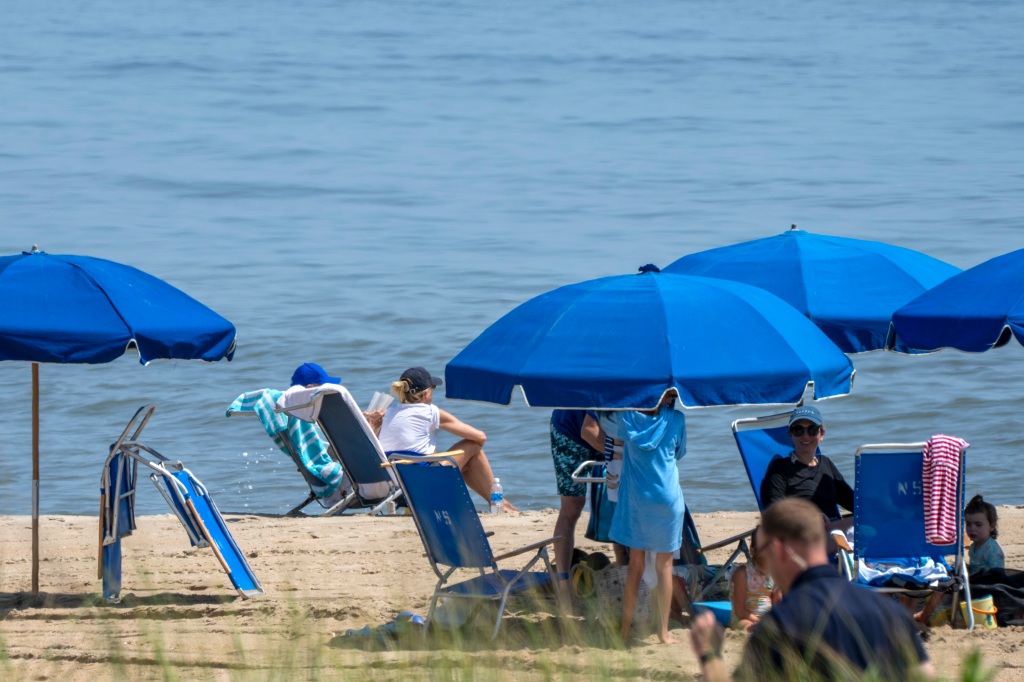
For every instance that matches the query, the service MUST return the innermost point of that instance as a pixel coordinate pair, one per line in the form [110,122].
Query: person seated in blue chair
[806,474]
[411,424]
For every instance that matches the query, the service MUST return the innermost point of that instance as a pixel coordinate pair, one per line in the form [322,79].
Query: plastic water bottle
[497,497]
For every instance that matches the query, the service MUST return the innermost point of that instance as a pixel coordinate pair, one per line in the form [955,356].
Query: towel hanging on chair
[939,476]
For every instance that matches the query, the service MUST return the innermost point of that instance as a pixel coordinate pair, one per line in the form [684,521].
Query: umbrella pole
[35,478]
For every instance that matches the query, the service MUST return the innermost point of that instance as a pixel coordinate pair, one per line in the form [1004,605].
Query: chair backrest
[444,514]
[889,512]
[352,439]
[760,440]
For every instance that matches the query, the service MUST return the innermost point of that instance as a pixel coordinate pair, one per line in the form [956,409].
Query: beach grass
[290,642]
[180,620]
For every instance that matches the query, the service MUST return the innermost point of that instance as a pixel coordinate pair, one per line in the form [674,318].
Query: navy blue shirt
[832,624]
[570,423]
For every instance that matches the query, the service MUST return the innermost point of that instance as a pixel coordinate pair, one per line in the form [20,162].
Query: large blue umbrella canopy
[979,309]
[622,342]
[848,287]
[77,309]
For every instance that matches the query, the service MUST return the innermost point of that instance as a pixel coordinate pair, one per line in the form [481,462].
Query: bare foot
[667,639]
[508,506]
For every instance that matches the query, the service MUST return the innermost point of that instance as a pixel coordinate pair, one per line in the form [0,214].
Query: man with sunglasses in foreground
[804,473]
[823,623]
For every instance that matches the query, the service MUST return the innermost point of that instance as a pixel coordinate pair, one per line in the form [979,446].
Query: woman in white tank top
[411,425]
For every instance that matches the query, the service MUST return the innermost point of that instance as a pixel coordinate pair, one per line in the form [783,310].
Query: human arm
[374,419]
[844,493]
[706,642]
[773,486]
[591,433]
[459,428]
[738,594]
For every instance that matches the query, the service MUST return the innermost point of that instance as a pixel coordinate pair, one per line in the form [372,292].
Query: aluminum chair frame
[472,550]
[360,470]
[861,542]
[175,493]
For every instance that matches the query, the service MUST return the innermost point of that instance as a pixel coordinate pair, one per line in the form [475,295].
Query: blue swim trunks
[567,455]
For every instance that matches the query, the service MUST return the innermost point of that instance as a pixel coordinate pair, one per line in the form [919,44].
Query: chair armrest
[527,548]
[839,537]
[437,457]
[726,542]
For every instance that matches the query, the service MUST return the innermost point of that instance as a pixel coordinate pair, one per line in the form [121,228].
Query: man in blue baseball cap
[311,375]
[804,472]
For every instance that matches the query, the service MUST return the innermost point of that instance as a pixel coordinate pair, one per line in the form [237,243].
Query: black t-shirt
[834,626]
[822,485]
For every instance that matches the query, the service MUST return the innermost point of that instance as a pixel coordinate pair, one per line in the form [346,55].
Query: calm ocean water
[369,185]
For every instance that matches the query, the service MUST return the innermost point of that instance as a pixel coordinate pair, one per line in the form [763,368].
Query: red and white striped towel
[940,474]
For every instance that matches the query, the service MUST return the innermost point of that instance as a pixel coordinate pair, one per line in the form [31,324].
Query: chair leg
[341,506]
[501,611]
[390,498]
[297,511]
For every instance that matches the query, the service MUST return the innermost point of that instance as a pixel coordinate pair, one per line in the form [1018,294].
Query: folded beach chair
[353,441]
[891,552]
[187,497]
[454,538]
[299,440]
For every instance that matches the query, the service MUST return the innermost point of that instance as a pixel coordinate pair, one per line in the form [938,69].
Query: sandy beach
[180,618]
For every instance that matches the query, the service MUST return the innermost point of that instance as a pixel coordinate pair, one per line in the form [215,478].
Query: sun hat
[808,413]
[420,379]
[312,373]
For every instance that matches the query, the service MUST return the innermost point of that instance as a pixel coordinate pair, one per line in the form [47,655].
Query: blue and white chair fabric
[454,538]
[891,552]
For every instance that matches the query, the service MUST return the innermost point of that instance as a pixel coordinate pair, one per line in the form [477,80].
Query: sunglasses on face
[798,430]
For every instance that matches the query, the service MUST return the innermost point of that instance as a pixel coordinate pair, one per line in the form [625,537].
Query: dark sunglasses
[798,430]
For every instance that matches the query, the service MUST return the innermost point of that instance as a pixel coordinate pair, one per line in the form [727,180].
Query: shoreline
[323,577]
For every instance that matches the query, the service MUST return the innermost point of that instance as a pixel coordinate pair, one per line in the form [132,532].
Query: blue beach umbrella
[979,309]
[77,309]
[622,342]
[848,287]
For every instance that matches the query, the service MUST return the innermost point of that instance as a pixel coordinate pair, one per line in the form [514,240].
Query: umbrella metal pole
[35,478]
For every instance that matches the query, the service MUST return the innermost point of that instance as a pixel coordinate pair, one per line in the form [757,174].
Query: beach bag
[609,587]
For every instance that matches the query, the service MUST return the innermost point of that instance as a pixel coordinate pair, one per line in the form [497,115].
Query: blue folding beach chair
[185,494]
[454,538]
[889,543]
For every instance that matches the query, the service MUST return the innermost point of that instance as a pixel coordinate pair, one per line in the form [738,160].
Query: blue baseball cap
[807,412]
[312,373]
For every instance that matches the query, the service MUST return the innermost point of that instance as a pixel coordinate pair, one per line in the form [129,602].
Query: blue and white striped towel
[311,448]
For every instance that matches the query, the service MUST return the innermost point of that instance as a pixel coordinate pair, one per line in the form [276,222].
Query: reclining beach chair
[298,439]
[454,538]
[353,441]
[891,552]
[184,493]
